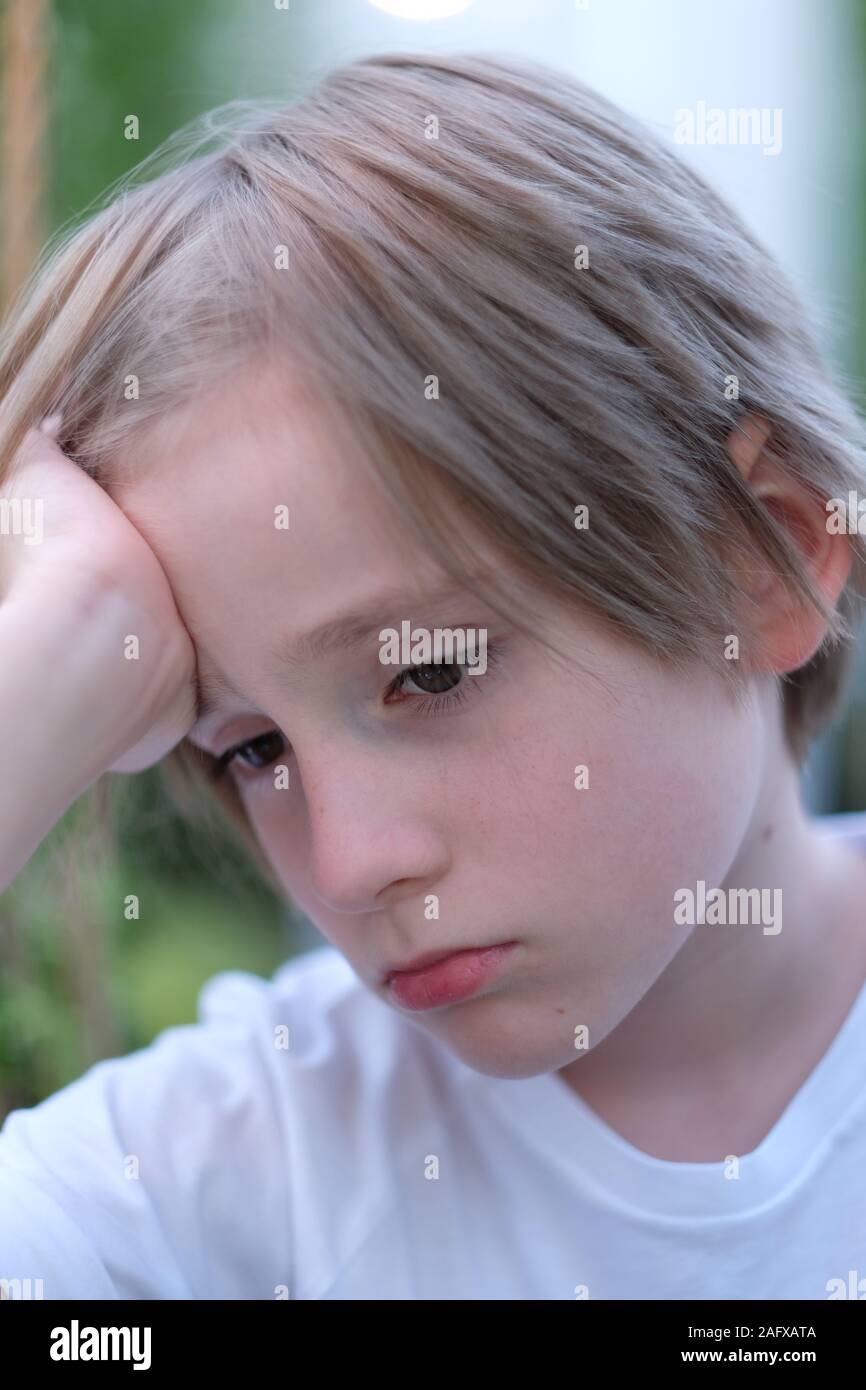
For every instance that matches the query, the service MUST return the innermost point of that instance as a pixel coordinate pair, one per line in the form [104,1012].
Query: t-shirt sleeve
[158,1175]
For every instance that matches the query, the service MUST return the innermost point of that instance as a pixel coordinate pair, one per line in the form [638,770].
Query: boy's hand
[110,665]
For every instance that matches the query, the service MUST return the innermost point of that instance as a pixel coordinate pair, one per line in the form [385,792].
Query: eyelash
[429,705]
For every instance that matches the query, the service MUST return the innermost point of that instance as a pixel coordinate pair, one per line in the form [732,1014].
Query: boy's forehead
[226,475]
[263,412]
[344,632]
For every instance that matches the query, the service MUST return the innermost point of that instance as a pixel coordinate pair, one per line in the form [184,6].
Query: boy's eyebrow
[348,631]
[352,629]
[210,691]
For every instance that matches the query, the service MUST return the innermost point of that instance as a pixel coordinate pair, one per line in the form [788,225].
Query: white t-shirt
[365,1161]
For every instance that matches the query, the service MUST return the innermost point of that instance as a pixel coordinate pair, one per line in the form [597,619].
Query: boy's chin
[499,1046]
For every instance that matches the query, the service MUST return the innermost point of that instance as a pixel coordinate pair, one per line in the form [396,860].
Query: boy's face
[466,798]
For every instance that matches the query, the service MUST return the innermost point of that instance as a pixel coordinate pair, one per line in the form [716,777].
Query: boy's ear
[788,628]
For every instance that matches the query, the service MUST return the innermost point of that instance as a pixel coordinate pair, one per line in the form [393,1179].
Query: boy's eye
[432,680]
[255,752]
[261,750]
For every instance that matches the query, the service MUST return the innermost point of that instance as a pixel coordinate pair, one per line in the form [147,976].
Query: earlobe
[789,629]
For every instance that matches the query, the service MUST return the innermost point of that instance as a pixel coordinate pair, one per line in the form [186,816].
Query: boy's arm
[71,705]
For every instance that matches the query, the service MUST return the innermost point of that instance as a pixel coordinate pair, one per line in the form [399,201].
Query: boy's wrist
[55,711]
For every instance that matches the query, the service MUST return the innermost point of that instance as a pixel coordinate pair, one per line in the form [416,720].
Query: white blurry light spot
[422,9]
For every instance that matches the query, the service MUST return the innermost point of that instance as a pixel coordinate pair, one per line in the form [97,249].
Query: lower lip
[449,980]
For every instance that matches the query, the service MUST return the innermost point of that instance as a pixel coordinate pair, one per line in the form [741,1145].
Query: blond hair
[430,211]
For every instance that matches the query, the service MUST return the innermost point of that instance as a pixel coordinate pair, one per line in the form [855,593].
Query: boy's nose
[369,851]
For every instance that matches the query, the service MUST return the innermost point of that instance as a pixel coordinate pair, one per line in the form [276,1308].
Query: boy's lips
[444,977]
[430,958]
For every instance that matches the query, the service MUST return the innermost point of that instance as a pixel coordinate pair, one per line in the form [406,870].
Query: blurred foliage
[79,979]
[109,934]
[847,746]
[114,58]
